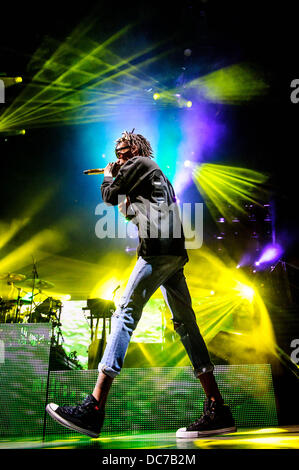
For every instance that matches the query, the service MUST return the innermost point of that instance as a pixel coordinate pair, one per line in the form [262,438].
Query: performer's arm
[112,189]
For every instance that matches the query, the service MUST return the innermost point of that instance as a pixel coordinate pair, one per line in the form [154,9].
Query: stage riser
[165,398]
[141,399]
[24,369]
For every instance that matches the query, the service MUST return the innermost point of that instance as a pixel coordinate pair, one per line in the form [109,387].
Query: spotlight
[10,81]
[220,183]
[270,253]
[189,164]
[12,132]
[245,291]
[189,104]
[156,96]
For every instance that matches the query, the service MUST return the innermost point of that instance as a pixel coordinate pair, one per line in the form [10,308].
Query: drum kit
[23,300]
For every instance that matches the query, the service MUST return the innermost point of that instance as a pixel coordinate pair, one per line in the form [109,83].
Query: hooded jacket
[153,206]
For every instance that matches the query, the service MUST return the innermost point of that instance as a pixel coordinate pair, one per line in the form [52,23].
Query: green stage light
[10,81]
[156,96]
[12,132]
[234,84]
[83,81]
[225,189]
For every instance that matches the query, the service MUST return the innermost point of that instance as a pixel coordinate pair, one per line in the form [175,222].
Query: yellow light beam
[8,231]
[223,186]
[45,238]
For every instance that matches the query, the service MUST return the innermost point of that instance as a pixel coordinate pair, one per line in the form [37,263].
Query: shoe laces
[207,415]
[80,408]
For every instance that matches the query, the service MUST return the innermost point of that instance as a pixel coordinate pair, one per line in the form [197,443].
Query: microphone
[95,171]
[99,171]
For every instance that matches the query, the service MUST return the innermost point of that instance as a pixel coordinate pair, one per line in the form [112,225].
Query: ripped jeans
[150,273]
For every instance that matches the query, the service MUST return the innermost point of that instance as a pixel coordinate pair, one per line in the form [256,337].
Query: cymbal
[11,277]
[38,284]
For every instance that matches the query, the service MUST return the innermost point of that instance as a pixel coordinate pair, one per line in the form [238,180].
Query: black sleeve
[126,178]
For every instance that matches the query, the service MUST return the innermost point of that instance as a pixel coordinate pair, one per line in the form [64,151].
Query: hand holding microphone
[108,169]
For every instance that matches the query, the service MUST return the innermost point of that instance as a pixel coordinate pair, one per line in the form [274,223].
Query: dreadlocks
[143,145]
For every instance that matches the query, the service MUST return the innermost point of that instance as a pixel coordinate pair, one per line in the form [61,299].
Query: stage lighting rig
[10,81]
[12,132]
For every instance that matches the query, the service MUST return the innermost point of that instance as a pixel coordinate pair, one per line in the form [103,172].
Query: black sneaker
[216,419]
[85,418]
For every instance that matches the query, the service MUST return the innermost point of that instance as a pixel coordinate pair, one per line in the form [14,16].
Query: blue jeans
[148,275]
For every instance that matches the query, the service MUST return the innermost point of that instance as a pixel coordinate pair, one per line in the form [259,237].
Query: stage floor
[284,437]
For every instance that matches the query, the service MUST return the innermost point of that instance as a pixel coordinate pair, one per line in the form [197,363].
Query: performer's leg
[217,417]
[148,274]
[102,388]
[178,299]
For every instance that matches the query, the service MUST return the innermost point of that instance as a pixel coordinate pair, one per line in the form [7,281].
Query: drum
[46,310]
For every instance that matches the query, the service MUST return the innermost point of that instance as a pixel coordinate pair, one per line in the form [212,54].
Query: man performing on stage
[150,203]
